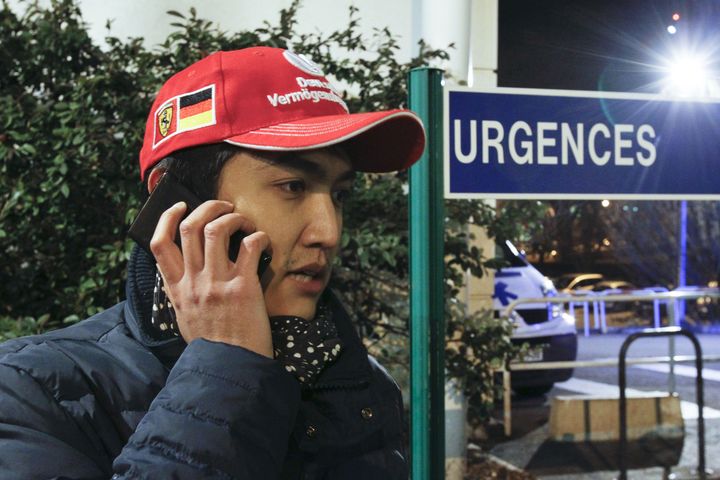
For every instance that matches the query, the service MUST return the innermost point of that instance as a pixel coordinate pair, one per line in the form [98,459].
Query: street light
[687,75]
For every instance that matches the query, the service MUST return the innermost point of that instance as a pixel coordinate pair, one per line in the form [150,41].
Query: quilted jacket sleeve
[38,438]
[225,412]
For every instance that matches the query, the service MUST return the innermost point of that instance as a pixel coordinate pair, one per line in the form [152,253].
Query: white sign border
[560,196]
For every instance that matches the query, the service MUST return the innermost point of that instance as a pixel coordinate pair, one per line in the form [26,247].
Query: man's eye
[295,186]
[340,196]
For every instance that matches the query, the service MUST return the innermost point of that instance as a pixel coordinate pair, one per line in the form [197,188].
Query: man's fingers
[250,249]
[192,234]
[166,253]
[217,239]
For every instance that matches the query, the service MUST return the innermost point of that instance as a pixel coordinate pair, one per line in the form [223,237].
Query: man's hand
[213,298]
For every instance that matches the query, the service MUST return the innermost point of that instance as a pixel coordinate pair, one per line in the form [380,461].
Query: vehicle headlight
[547,288]
[516,319]
[569,319]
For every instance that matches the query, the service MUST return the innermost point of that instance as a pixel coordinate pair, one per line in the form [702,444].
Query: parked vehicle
[547,328]
[578,281]
[614,287]
[620,285]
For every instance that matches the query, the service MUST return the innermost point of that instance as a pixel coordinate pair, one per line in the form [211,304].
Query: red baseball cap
[273,99]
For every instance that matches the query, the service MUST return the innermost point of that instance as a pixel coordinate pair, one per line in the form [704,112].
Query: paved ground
[528,448]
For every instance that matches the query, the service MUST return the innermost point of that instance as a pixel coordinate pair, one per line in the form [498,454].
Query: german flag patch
[196,110]
[185,112]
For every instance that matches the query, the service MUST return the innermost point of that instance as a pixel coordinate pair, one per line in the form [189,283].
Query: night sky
[609,45]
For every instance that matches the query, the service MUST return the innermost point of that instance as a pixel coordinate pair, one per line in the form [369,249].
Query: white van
[547,328]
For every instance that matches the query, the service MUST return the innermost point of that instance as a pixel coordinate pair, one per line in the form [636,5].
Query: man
[209,370]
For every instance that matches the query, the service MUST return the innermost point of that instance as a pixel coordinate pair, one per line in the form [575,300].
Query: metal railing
[670,298]
[598,302]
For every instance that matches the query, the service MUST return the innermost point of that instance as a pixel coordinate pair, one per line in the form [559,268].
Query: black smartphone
[167,193]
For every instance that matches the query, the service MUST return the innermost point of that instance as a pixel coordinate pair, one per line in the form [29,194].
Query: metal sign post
[427,322]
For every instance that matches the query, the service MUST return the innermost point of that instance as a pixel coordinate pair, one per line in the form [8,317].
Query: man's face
[296,199]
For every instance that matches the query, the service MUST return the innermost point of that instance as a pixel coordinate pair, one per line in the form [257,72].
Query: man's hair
[198,168]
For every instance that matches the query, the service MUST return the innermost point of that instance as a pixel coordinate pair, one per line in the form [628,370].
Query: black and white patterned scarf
[304,347]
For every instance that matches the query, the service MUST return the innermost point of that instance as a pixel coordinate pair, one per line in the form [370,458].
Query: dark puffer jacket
[101,399]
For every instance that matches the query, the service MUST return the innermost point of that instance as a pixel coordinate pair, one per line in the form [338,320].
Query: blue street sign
[513,143]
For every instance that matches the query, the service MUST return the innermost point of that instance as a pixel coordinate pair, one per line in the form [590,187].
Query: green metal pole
[427,321]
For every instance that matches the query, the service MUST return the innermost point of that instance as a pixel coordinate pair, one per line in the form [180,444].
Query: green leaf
[65,190]
[43,319]
[27,148]
[70,319]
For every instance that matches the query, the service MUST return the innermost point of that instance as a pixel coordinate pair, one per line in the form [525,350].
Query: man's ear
[155,176]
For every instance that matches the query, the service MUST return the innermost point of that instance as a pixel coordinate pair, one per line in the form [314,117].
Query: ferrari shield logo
[165,120]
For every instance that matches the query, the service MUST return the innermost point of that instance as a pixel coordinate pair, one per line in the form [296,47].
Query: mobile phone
[167,193]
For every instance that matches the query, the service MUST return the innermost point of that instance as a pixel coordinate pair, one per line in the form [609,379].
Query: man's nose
[324,223]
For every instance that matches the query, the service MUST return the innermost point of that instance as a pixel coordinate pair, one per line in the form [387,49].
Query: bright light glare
[672,29]
[687,76]
[676,16]
[605,203]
